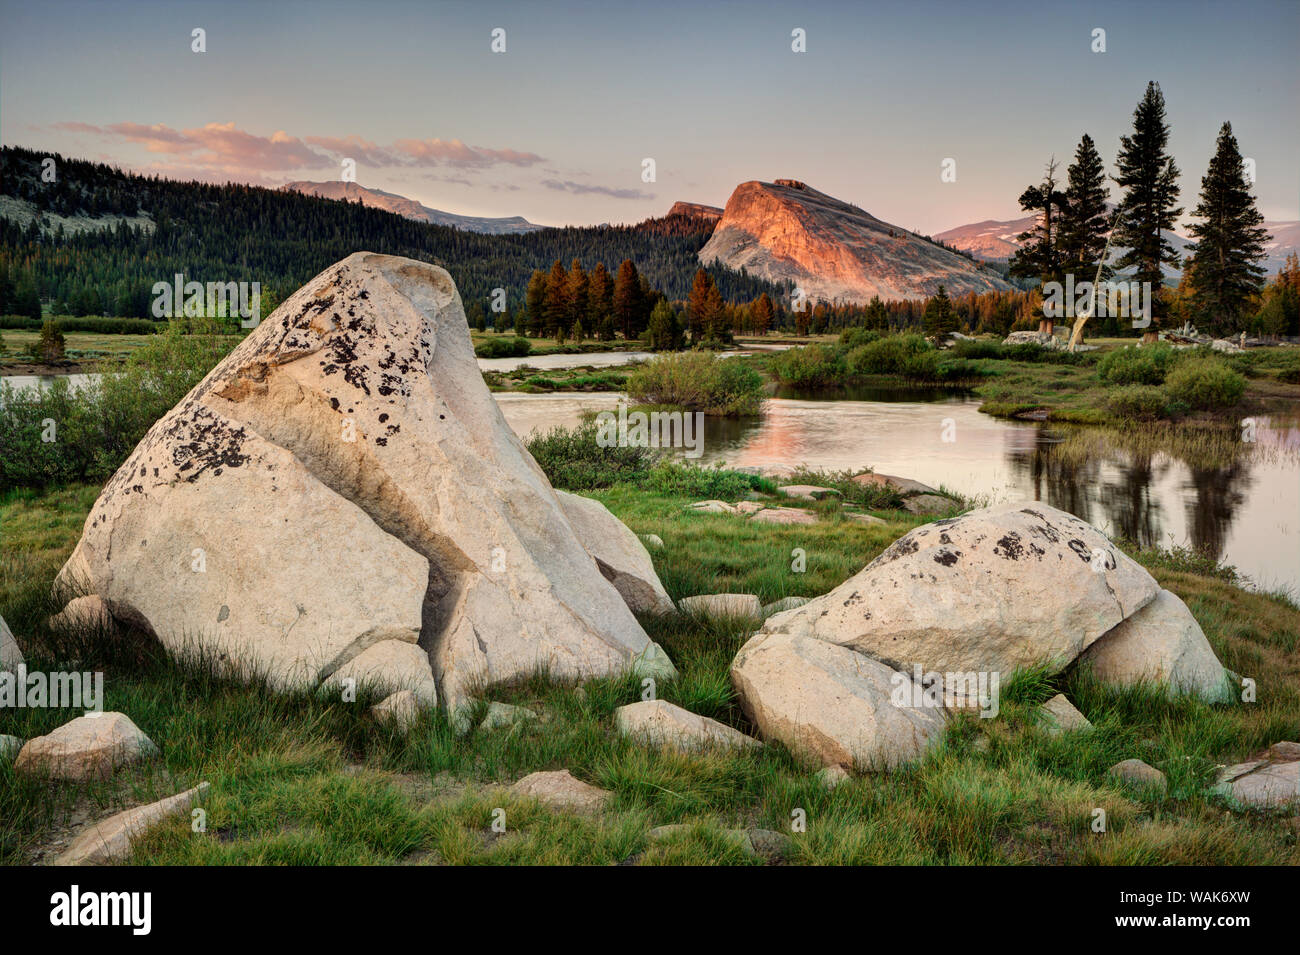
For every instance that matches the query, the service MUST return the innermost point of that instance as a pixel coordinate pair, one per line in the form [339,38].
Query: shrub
[1206,384]
[99,424]
[572,460]
[809,366]
[855,336]
[974,349]
[50,346]
[674,477]
[1147,365]
[503,347]
[698,381]
[1138,402]
[887,356]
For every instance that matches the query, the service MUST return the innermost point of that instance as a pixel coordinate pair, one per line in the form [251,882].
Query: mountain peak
[402,206]
[788,231]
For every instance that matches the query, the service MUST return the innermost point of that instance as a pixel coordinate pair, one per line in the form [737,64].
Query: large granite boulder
[342,479]
[865,675]
[10,655]
[1162,643]
[989,591]
[618,552]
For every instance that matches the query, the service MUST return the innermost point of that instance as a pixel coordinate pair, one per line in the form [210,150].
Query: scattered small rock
[1060,716]
[722,605]
[110,840]
[808,492]
[713,507]
[928,504]
[660,723]
[748,507]
[783,515]
[652,541]
[832,776]
[1284,751]
[900,484]
[83,613]
[1139,773]
[10,655]
[785,603]
[862,518]
[560,789]
[401,709]
[93,746]
[503,714]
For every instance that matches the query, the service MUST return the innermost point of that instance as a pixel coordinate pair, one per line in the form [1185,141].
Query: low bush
[503,347]
[809,366]
[1205,384]
[888,356]
[698,381]
[63,434]
[572,460]
[1138,402]
[1148,365]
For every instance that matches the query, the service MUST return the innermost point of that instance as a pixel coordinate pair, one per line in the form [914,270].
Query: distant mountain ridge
[994,240]
[402,206]
[786,231]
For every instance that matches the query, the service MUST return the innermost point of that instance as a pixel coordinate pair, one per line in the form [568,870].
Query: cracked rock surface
[342,480]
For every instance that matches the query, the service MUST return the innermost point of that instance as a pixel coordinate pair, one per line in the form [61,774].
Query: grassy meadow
[301,780]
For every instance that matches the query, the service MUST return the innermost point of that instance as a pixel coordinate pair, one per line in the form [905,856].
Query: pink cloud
[224,149]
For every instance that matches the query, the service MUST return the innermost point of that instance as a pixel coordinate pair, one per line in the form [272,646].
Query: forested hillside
[233,233]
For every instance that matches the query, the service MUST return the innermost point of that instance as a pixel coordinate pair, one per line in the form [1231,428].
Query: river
[1244,509]
[1243,506]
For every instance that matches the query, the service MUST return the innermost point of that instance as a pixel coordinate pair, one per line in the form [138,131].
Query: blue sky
[556,128]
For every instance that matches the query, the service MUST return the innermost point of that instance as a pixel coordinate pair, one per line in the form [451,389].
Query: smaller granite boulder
[1161,643]
[661,723]
[560,789]
[1060,716]
[808,492]
[784,515]
[93,746]
[10,655]
[401,709]
[110,840]
[1138,773]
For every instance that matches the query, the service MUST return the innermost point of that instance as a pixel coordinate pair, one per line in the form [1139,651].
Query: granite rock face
[344,479]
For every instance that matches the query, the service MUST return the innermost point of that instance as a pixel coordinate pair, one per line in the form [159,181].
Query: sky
[557,127]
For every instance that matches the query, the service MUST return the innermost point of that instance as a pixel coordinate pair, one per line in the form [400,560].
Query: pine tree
[600,293]
[939,319]
[877,318]
[701,306]
[627,299]
[535,300]
[1085,218]
[1039,254]
[556,308]
[762,314]
[665,333]
[1147,213]
[577,293]
[1224,273]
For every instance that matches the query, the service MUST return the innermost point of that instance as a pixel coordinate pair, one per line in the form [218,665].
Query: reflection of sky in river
[1247,513]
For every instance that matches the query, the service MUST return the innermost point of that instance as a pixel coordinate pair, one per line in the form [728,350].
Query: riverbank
[298,780]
